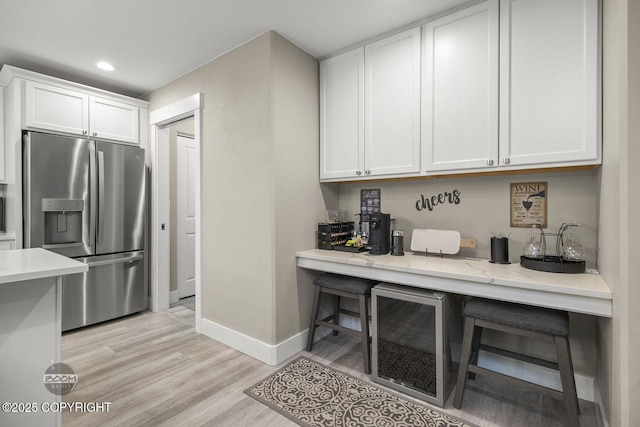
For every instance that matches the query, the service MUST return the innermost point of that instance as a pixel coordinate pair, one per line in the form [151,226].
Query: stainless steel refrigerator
[86,200]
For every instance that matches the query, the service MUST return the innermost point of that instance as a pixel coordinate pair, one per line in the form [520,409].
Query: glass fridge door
[406,344]
[415,340]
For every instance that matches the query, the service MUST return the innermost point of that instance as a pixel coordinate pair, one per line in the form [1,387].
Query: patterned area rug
[312,394]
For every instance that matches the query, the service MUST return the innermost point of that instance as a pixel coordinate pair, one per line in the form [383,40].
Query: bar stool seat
[348,287]
[524,320]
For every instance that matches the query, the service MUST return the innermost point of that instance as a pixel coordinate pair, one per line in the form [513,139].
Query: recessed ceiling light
[105,66]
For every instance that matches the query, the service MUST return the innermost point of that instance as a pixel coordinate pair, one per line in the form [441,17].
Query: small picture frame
[529,204]
[369,203]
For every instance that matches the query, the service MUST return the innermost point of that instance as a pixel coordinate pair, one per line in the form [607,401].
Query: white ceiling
[152,42]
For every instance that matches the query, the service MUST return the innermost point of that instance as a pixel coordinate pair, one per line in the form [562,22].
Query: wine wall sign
[529,204]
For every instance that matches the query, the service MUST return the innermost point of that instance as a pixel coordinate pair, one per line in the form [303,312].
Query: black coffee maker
[379,233]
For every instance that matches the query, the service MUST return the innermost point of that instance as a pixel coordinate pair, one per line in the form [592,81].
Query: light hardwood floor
[155,370]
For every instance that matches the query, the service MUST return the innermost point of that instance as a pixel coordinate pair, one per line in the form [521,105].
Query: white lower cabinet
[460,90]
[549,82]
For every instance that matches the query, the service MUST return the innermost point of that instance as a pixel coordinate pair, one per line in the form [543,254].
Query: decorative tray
[553,264]
[344,248]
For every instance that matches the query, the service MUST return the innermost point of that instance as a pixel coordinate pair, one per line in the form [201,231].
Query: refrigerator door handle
[61,245]
[100,195]
[92,197]
[115,261]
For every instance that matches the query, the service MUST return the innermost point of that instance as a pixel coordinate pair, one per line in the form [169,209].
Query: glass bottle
[535,247]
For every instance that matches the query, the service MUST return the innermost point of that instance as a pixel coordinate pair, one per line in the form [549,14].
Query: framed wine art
[529,204]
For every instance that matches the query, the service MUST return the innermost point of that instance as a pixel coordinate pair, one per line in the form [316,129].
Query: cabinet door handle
[506,160]
[358,173]
[84,132]
[367,172]
[95,134]
[489,162]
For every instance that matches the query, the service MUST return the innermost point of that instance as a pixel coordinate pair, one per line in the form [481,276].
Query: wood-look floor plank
[156,371]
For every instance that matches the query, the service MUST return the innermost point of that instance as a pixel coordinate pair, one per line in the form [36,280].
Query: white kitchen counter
[27,264]
[30,330]
[580,293]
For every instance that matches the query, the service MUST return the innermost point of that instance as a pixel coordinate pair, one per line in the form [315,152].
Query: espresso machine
[379,233]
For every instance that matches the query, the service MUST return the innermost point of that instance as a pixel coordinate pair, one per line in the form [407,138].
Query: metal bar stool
[528,321]
[348,287]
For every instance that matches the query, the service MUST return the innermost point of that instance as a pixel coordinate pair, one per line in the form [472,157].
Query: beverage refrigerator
[416,342]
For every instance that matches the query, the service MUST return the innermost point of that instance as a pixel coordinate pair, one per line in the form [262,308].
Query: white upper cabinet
[342,116]
[499,85]
[549,82]
[392,105]
[113,120]
[370,110]
[460,89]
[3,176]
[52,108]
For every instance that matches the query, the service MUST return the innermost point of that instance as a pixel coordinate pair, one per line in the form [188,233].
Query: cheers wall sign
[428,203]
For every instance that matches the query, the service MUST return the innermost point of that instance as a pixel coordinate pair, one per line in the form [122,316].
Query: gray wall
[484,207]
[298,199]
[260,165]
[618,338]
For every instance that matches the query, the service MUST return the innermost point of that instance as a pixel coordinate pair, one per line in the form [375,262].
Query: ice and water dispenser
[62,222]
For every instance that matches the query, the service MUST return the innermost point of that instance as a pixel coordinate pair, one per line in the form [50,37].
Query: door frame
[160,210]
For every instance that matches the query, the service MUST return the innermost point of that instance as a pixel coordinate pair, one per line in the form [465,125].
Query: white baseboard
[174,296]
[266,353]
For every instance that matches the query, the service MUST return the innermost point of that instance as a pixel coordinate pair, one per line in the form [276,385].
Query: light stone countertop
[582,293]
[27,264]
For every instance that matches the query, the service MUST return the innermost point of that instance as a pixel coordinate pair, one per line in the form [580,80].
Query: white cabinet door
[392,105]
[113,120]
[549,110]
[48,107]
[342,116]
[460,89]
[2,137]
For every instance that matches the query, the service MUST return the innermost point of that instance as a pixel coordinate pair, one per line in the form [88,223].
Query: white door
[186,156]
